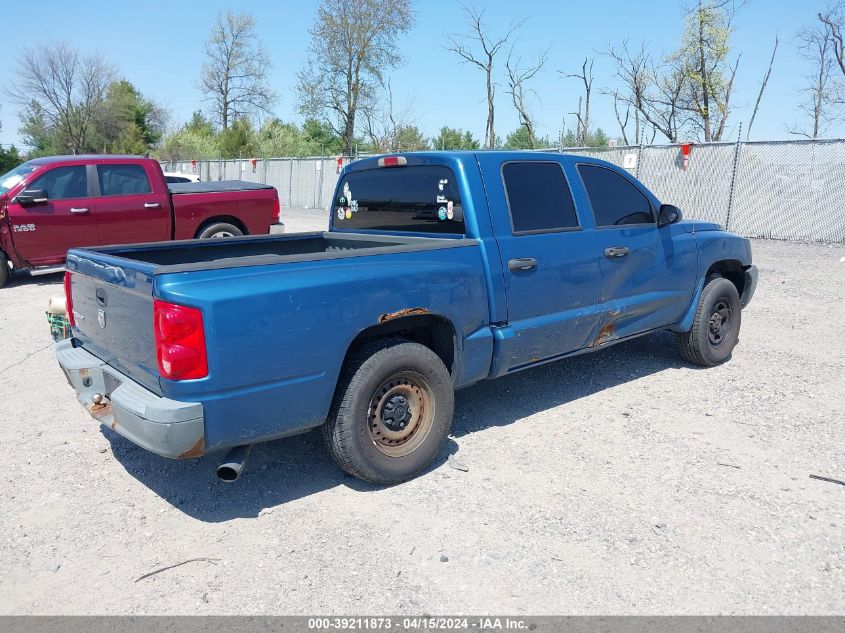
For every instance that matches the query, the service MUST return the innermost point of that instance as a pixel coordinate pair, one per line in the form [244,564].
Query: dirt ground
[624,481]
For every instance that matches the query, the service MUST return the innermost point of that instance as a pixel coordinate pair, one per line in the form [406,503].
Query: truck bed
[193,255]
[279,314]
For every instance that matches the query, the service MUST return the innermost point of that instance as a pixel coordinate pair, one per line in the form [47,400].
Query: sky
[158,46]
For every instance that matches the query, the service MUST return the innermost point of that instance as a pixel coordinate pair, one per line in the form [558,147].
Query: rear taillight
[68,300]
[179,341]
[277,209]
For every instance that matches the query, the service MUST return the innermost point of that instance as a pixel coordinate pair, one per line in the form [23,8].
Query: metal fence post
[733,177]
[320,186]
[640,150]
[290,185]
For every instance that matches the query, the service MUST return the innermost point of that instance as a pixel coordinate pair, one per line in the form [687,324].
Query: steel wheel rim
[400,414]
[721,321]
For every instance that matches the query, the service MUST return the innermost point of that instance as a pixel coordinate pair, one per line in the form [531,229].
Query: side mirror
[669,214]
[31,197]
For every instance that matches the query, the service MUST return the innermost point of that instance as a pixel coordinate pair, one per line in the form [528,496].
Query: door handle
[616,251]
[151,205]
[522,263]
[79,210]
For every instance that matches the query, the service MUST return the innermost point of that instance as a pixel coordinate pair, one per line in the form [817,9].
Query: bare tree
[63,89]
[518,77]
[833,21]
[234,76]
[353,42]
[582,116]
[818,47]
[632,73]
[654,91]
[480,49]
[762,88]
[621,101]
[384,122]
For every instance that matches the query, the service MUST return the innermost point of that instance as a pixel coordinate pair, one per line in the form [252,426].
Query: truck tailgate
[113,310]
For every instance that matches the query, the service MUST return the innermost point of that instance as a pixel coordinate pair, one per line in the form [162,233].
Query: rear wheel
[392,412]
[715,330]
[4,270]
[220,229]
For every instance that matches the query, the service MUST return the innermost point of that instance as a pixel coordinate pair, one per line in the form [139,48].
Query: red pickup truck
[49,205]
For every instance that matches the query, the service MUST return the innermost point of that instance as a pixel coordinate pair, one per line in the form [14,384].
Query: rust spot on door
[607,332]
[389,316]
[197,450]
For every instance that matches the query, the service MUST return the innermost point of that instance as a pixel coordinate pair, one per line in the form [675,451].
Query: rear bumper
[163,426]
[751,275]
[277,228]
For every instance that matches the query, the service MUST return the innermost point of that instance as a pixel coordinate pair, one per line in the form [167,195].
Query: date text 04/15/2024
[412,623]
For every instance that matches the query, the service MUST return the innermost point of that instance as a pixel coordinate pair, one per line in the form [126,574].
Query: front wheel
[218,230]
[392,412]
[715,330]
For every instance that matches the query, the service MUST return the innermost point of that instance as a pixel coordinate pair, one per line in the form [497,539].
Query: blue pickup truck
[439,270]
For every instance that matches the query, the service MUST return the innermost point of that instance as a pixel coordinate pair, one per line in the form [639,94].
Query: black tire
[715,329]
[363,431]
[218,230]
[4,270]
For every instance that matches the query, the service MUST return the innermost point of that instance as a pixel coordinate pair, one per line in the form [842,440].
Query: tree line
[77,103]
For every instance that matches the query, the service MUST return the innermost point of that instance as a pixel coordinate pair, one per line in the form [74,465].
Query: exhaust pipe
[234,464]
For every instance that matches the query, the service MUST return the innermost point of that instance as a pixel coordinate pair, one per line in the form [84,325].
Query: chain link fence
[790,190]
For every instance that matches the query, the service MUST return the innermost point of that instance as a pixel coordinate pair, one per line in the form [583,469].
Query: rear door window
[538,197]
[615,200]
[415,198]
[63,183]
[122,180]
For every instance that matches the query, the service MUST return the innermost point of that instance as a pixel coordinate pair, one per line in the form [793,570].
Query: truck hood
[698,226]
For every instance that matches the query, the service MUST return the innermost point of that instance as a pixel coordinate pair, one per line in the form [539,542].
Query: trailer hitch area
[99,406]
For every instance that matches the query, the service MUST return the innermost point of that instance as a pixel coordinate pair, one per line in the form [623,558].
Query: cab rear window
[415,198]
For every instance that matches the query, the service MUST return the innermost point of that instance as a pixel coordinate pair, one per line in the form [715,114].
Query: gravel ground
[618,482]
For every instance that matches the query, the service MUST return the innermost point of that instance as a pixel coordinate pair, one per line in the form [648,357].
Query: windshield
[422,198]
[12,178]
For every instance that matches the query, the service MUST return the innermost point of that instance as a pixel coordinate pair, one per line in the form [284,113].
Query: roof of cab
[504,155]
[72,158]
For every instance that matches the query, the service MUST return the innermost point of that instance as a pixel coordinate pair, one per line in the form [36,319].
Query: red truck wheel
[218,230]
[4,270]
[392,412]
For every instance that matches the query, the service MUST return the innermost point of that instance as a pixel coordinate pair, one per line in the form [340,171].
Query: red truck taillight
[277,210]
[68,300]
[179,341]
